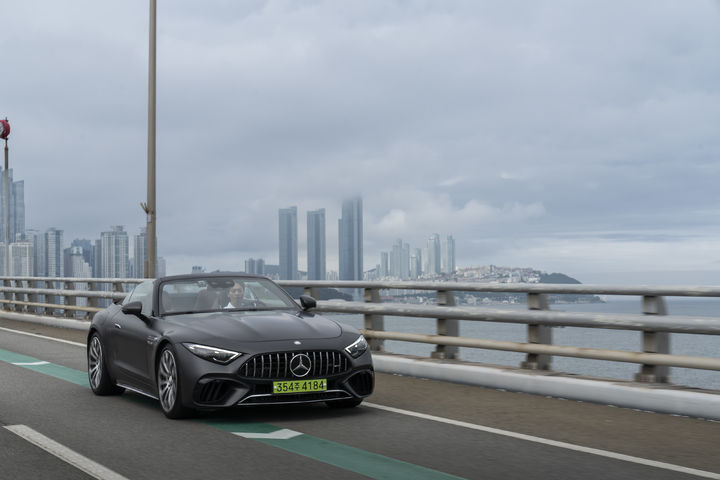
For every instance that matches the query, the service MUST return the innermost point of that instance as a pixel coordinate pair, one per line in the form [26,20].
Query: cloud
[502,126]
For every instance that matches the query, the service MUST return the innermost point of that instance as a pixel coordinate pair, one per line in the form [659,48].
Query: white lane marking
[65,454]
[29,364]
[43,337]
[554,443]
[283,434]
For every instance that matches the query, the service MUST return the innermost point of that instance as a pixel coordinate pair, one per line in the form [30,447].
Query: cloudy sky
[571,136]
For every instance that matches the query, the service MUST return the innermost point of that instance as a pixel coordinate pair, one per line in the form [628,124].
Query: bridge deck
[402,421]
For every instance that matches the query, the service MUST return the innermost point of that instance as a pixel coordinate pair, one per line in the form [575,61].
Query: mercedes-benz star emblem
[300,365]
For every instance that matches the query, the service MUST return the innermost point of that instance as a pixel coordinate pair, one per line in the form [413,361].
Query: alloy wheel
[167,380]
[95,362]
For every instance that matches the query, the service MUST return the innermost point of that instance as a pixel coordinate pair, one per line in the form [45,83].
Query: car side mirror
[132,308]
[307,302]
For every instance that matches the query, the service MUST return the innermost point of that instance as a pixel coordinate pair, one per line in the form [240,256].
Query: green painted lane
[353,459]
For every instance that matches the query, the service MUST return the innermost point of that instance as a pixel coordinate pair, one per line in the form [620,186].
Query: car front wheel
[169,385]
[100,381]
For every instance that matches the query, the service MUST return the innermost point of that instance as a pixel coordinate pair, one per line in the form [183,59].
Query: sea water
[629,340]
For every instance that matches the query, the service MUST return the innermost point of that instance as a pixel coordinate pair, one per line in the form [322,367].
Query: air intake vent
[276,366]
[362,383]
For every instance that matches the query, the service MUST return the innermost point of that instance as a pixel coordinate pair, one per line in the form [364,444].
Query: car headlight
[358,347]
[212,354]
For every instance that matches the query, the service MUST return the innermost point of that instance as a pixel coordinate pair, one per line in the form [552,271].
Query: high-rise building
[86,248]
[79,268]
[384,268]
[316,244]
[416,263]
[350,239]
[288,243]
[39,258]
[198,269]
[161,268]
[448,255]
[115,256]
[139,254]
[433,255]
[97,259]
[255,266]
[21,259]
[16,211]
[54,253]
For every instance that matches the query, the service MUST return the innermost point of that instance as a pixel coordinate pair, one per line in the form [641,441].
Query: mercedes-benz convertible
[210,341]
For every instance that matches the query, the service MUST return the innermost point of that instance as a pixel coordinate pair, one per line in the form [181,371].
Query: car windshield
[208,294]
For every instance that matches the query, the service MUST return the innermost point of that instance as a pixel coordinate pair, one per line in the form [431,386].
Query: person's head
[236,293]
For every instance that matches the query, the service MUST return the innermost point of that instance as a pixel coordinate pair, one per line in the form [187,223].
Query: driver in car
[236,295]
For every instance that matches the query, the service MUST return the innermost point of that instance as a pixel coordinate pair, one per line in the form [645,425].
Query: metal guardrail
[654,323]
[82,296]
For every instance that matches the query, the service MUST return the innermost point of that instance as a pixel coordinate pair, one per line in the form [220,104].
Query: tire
[169,385]
[348,403]
[101,383]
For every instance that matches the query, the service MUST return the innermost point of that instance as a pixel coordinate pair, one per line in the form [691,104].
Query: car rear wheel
[100,381]
[348,403]
[169,387]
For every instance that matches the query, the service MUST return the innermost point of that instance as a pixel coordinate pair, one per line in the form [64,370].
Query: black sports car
[217,340]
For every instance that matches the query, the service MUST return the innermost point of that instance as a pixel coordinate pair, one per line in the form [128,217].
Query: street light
[4,132]
[150,207]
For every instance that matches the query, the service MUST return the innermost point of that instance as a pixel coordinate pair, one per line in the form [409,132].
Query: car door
[134,338]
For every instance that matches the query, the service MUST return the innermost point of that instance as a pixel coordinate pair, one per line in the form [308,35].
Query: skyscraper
[433,255]
[17,207]
[316,244]
[139,254]
[115,257]
[416,263]
[21,259]
[288,243]
[54,253]
[350,239]
[39,258]
[448,255]
[78,266]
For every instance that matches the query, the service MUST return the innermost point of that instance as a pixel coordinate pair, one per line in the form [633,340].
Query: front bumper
[207,385]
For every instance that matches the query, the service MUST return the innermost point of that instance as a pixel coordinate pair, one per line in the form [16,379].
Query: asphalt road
[410,428]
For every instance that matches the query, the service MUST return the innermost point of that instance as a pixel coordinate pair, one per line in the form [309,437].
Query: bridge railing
[74,297]
[653,322]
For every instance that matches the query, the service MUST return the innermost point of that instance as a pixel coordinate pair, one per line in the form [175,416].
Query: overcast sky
[569,136]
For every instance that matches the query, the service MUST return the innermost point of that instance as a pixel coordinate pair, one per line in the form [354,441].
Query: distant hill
[557,278]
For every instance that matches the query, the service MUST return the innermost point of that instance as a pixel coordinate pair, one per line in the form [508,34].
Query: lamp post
[150,207]
[4,132]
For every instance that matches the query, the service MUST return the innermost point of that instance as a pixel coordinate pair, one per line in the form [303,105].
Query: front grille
[277,365]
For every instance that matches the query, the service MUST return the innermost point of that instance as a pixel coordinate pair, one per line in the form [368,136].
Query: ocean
[680,344]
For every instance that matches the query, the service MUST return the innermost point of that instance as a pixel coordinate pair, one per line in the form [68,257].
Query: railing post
[446,326]
[654,342]
[538,334]
[312,291]
[42,298]
[93,301]
[374,322]
[72,301]
[7,296]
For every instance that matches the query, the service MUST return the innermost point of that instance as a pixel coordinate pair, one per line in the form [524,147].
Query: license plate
[300,386]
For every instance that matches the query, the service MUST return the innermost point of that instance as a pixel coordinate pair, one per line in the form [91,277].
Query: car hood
[253,326]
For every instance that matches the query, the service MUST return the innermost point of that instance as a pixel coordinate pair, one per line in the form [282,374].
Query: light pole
[150,207]
[4,132]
